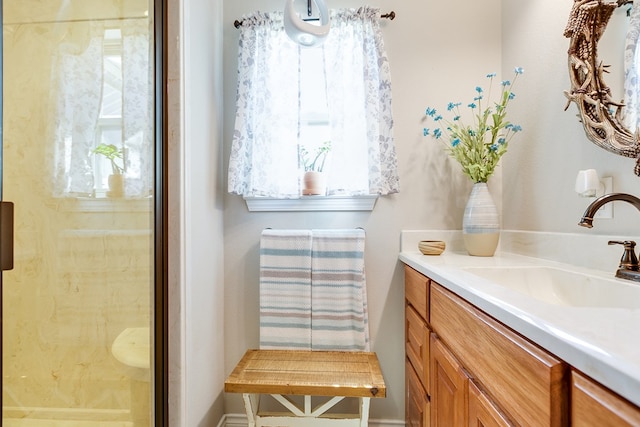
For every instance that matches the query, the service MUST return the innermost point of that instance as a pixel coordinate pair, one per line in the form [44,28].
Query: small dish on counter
[431,247]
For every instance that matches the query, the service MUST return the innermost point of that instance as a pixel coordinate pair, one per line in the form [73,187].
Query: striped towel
[285,289]
[339,318]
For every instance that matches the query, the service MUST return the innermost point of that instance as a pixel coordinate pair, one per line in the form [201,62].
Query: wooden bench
[282,373]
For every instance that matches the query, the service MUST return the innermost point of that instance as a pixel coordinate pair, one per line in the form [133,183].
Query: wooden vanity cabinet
[592,405]
[527,383]
[478,372]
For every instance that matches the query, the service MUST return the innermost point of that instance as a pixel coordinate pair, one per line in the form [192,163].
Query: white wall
[437,54]
[540,169]
[195,213]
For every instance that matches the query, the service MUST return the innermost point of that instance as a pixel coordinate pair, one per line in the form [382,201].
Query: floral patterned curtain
[264,152]
[76,72]
[78,82]
[631,70]
[137,108]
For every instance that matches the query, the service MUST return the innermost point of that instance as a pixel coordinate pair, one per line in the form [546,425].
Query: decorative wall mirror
[603,117]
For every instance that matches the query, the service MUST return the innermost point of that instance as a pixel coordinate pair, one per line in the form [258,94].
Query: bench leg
[251,408]
[364,411]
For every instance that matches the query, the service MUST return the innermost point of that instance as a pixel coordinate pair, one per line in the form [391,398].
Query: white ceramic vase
[481,223]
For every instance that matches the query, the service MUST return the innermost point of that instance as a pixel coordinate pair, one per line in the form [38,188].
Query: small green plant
[316,162]
[112,153]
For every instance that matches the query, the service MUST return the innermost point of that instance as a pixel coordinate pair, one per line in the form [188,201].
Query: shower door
[78,162]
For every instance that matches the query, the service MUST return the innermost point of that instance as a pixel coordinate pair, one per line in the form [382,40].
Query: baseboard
[240,420]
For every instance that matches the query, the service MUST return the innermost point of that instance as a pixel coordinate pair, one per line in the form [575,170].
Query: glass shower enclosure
[78,164]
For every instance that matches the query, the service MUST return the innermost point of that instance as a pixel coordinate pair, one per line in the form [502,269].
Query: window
[292,99]
[109,126]
[315,125]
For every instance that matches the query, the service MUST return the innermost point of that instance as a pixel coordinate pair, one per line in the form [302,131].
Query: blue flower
[467,143]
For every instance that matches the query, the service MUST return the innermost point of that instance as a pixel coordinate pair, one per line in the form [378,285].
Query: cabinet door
[448,388]
[416,290]
[482,411]
[417,401]
[417,345]
[594,406]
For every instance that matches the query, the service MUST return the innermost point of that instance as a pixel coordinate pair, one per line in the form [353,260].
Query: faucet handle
[629,261]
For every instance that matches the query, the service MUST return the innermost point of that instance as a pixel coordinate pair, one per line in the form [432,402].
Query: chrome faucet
[628,268]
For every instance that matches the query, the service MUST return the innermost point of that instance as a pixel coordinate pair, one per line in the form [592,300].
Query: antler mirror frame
[600,115]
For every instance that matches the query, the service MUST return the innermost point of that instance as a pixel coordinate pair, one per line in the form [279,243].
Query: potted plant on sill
[315,182]
[116,178]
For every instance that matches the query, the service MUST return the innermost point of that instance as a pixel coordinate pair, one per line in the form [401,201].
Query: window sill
[312,203]
[91,204]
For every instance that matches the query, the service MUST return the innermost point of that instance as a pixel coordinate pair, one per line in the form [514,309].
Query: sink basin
[562,287]
[131,348]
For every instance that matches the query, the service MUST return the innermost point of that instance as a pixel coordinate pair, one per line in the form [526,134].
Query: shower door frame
[160,286]
[161,222]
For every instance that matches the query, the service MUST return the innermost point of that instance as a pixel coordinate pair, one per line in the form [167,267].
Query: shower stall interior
[79,161]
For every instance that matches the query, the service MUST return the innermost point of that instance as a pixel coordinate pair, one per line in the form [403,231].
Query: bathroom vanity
[479,352]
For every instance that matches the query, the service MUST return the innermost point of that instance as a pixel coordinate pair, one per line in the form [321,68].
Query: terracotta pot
[116,185]
[315,183]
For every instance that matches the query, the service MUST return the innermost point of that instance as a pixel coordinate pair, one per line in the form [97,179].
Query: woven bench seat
[282,373]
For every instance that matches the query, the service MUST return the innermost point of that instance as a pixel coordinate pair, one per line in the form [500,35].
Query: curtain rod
[391,16]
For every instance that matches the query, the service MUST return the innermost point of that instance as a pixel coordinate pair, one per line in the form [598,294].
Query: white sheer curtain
[631,70]
[137,108]
[78,88]
[77,80]
[264,152]
[359,97]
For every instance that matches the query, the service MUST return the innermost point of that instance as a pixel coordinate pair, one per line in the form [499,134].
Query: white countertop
[604,343]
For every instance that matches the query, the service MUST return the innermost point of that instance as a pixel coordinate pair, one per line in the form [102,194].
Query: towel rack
[391,16]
